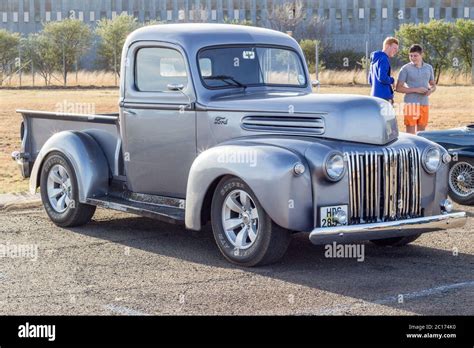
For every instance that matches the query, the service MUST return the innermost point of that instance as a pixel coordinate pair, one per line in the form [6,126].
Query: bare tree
[292,17]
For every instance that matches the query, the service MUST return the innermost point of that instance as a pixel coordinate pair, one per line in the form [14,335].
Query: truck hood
[344,117]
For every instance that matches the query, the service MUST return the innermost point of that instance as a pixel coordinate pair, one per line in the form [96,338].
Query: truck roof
[193,36]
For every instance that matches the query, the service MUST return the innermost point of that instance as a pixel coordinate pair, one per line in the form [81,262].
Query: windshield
[242,66]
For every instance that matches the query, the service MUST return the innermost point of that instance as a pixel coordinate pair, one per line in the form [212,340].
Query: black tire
[396,241]
[75,214]
[271,241]
[468,199]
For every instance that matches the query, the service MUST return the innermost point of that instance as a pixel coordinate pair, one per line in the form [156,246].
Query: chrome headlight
[334,166]
[431,159]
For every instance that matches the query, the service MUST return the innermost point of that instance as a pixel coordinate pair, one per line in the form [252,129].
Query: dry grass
[358,77]
[450,107]
[106,78]
[84,78]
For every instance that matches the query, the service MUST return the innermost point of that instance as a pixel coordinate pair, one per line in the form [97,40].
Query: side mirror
[175,86]
[315,83]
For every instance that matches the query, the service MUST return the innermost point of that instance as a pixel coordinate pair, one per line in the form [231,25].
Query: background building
[348,23]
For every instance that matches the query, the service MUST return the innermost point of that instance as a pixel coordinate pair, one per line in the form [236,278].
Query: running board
[160,212]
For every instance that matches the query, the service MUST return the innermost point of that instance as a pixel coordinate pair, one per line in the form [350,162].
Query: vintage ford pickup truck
[219,123]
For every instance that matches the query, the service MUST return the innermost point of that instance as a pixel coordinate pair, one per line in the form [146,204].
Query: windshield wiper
[224,78]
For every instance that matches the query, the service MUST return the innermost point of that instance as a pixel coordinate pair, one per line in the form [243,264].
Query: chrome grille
[383,186]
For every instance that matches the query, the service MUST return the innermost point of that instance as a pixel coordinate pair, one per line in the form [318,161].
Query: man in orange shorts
[416,80]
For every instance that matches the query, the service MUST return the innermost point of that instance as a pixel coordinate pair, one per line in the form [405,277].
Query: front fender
[267,170]
[86,157]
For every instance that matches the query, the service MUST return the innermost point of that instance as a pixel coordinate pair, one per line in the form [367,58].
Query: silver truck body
[164,153]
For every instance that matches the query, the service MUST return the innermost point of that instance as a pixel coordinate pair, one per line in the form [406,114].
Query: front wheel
[60,194]
[243,231]
[461,181]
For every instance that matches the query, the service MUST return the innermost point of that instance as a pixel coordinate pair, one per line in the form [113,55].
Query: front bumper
[388,229]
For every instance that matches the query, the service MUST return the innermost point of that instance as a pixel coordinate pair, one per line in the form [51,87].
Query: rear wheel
[59,193]
[243,231]
[395,241]
[461,181]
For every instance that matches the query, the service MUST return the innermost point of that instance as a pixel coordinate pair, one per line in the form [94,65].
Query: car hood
[345,117]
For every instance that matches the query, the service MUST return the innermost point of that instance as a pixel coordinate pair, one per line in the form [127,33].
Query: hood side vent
[311,125]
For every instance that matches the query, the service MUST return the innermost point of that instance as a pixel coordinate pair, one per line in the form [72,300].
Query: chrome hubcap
[461,179]
[240,219]
[59,188]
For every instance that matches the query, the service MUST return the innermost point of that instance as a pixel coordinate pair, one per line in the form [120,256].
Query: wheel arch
[271,179]
[86,157]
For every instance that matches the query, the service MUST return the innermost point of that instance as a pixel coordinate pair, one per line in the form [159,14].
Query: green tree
[113,33]
[40,50]
[8,50]
[70,38]
[464,34]
[436,38]
[309,51]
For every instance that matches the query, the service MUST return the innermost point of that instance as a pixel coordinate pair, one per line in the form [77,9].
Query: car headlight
[334,166]
[431,159]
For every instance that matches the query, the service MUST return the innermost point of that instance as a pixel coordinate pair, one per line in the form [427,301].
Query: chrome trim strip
[387,229]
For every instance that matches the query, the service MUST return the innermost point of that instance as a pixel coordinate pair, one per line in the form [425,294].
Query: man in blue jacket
[379,74]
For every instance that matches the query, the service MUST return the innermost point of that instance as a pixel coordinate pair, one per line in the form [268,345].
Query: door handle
[129,112]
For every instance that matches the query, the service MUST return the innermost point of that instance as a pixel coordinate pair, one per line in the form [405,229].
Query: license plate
[326,215]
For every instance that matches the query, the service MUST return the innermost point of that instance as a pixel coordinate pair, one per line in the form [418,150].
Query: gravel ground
[126,265]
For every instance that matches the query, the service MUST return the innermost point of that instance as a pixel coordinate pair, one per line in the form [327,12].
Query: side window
[156,67]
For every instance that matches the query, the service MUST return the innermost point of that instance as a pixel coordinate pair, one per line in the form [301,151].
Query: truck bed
[38,126]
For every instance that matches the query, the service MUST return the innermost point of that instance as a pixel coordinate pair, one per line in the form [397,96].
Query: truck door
[157,119]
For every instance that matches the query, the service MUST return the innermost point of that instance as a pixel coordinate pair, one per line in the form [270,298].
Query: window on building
[373,13]
[419,13]
[47,6]
[15,17]
[136,14]
[384,13]
[4,17]
[47,16]
[103,14]
[214,15]
[408,13]
[361,13]
[442,12]
[236,14]
[431,13]
[26,17]
[191,15]
[326,13]
[169,15]
[59,16]
[147,16]
[92,16]
[466,12]
[37,6]
[454,12]
[157,67]
[114,14]
[80,16]
[338,14]
[350,13]
[181,15]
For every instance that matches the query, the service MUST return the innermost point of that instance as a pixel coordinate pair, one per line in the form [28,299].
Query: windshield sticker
[248,54]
